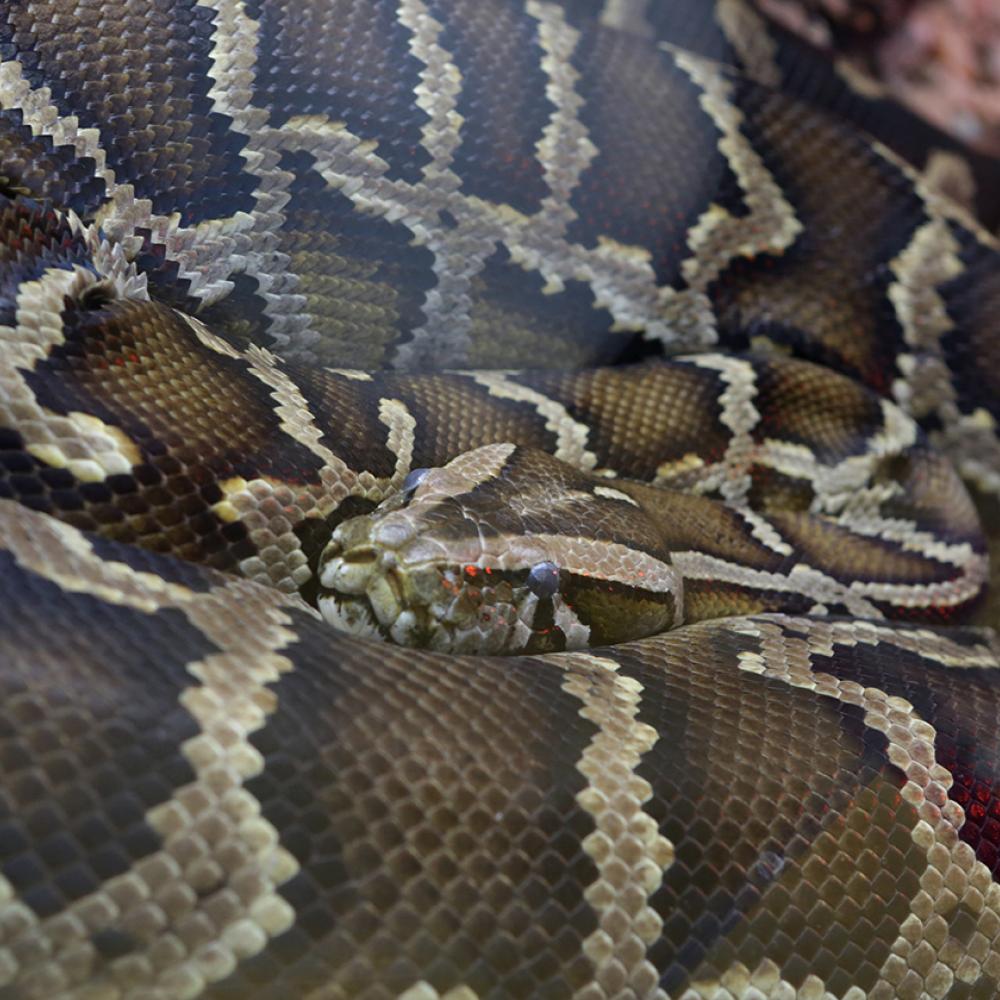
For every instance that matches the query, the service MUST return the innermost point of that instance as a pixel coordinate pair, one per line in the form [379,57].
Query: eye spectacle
[543,579]
[413,479]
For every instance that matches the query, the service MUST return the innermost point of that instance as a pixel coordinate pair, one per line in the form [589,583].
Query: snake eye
[543,579]
[413,479]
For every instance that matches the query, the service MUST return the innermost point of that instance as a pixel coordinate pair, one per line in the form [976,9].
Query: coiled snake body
[240,243]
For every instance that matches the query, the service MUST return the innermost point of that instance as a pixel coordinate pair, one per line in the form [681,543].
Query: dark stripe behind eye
[605,606]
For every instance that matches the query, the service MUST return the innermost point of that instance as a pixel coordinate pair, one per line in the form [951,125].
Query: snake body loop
[624,339]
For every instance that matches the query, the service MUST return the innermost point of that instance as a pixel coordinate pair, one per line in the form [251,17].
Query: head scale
[503,550]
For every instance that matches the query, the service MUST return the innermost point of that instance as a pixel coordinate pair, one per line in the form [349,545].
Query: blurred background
[940,57]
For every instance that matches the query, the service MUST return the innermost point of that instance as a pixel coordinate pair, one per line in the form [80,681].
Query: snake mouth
[356,615]
[364,593]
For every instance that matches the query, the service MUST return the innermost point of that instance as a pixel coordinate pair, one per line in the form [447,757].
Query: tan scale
[197,203]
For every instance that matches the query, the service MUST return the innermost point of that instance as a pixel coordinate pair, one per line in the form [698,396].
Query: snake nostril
[359,554]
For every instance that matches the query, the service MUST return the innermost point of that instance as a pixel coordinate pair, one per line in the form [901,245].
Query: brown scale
[88,685]
[441,405]
[846,556]
[988,508]
[196,418]
[346,412]
[803,404]
[694,523]
[138,71]
[363,276]
[971,348]
[604,609]
[674,405]
[967,741]
[929,491]
[626,194]
[35,168]
[826,297]
[837,913]
[706,599]
[349,60]
[771,490]
[503,102]
[239,318]
[515,320]
[451,835]
[33,238]
[759,785]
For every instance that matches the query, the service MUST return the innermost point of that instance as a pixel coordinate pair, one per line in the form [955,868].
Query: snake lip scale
[498,498]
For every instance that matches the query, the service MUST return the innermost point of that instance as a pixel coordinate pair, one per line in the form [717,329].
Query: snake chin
[355,617]
[461,624]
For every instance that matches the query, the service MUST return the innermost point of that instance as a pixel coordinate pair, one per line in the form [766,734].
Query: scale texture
[259,259]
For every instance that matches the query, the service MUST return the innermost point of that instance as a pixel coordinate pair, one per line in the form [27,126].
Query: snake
[496,500]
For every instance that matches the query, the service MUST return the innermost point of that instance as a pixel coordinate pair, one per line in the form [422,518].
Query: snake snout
[350,571]
[353,557]
[364,587]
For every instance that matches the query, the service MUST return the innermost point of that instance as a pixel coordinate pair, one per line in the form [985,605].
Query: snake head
[503,550]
